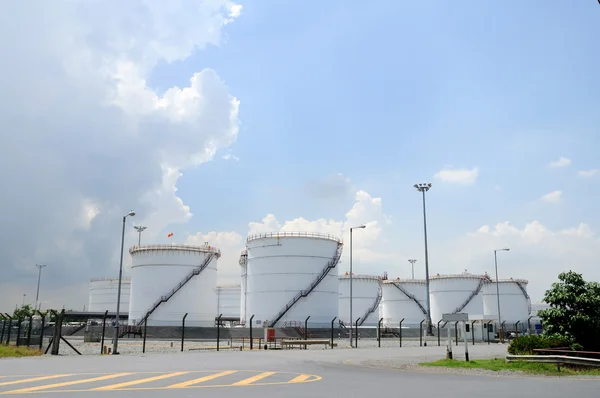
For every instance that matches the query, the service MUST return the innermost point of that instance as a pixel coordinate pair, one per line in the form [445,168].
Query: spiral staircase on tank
[163,299]
[304,293]
[372,308]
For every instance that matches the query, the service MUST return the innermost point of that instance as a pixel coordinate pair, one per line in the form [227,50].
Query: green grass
[498,364]
[16,352]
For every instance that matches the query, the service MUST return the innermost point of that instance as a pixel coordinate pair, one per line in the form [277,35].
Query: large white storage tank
[228,300]
[104,293]
[403,299]
[515,304]
[244,270]
[290,276]
[456,293]
[169,281]
[366,297]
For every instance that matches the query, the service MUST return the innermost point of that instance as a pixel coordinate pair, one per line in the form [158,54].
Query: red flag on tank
[170,234]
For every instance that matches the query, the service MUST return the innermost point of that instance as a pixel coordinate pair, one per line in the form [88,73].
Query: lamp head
[131,213]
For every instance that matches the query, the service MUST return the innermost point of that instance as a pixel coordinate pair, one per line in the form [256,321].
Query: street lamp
[116,336]
[500,331]
[412,262]
[424,187]
[37,294]
[351,324]
[23,305]
[140,229]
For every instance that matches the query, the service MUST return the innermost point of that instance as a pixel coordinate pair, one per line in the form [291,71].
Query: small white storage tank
[169,281]
[406,298]
[449,294]
[366,297]
[290,276]
[104,293]
[228,300]
[515,304]
[244,269]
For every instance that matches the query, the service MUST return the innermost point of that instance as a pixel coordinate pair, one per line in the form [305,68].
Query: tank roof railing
[228,286]
[509,280]
[282,234]
[202,249]
[458,276]
[405,280]
[356,276]
[115,278]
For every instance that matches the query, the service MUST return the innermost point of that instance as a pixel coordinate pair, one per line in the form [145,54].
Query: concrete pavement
[293,373]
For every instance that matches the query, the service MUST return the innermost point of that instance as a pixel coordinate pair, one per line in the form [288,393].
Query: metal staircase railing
[410,296]
[196,271]
[372,309]
[330,265]
[526,295]
[473,294]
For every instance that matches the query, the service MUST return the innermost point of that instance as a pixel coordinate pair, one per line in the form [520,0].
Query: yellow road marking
[66,383]
[300,379]
[7,383]
[140,381]
[201,379]
[252,379]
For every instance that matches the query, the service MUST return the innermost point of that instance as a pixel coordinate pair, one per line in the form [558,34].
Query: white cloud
[90,136]
[229,156]
[552,197]
[588,173]
[536,253]
[561,162]
[458,176]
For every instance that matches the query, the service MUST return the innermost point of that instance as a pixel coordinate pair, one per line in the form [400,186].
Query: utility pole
[412,262]
[37,294]
[424,187]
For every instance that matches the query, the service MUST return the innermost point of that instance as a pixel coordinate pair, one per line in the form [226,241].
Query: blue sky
[390,93]
[387,94]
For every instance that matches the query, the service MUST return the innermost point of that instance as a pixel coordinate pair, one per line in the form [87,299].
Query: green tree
[24,312]
[574,311]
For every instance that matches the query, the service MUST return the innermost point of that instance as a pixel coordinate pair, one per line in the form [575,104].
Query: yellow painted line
[140,381]
[7,383]
[252,379]
[66,383]
[201,379]
[300,379]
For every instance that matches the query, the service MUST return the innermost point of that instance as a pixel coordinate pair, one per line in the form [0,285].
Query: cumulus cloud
[552,197]
[588,173]
[458,176]
[561,162]
[88,135]
[536,253]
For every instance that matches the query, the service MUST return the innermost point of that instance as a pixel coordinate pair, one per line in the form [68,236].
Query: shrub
[525,345]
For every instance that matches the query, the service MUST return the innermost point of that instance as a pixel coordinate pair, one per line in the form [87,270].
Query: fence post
[379,332]
[42,329]
[517,327]
[219,330]
[333,320]
[18,331]
[503,329]
[421,333]
[9,329]
[103,331]
[439,331]
[183,330]
[529,324]
[29,330]
[145,329]
[251,343]
[356,333]
[306,330]
[3,327]
[488,331]
[400,331]
[473,331]
[456,332]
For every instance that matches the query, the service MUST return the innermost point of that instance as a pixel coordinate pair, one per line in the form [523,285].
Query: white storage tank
[104,293]
[290,276]
[403,298]
[456,293]
[244,270]
[366,297]
[168,281]
[228,300]
[515,304]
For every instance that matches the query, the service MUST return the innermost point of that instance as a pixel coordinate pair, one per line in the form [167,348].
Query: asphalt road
[293,373]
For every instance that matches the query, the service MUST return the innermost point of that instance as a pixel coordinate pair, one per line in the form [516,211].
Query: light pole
[500,331]
[424,187]
[140,229]
[412,262]
[116,336]
[37,294]
[351,323]
[23,305]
